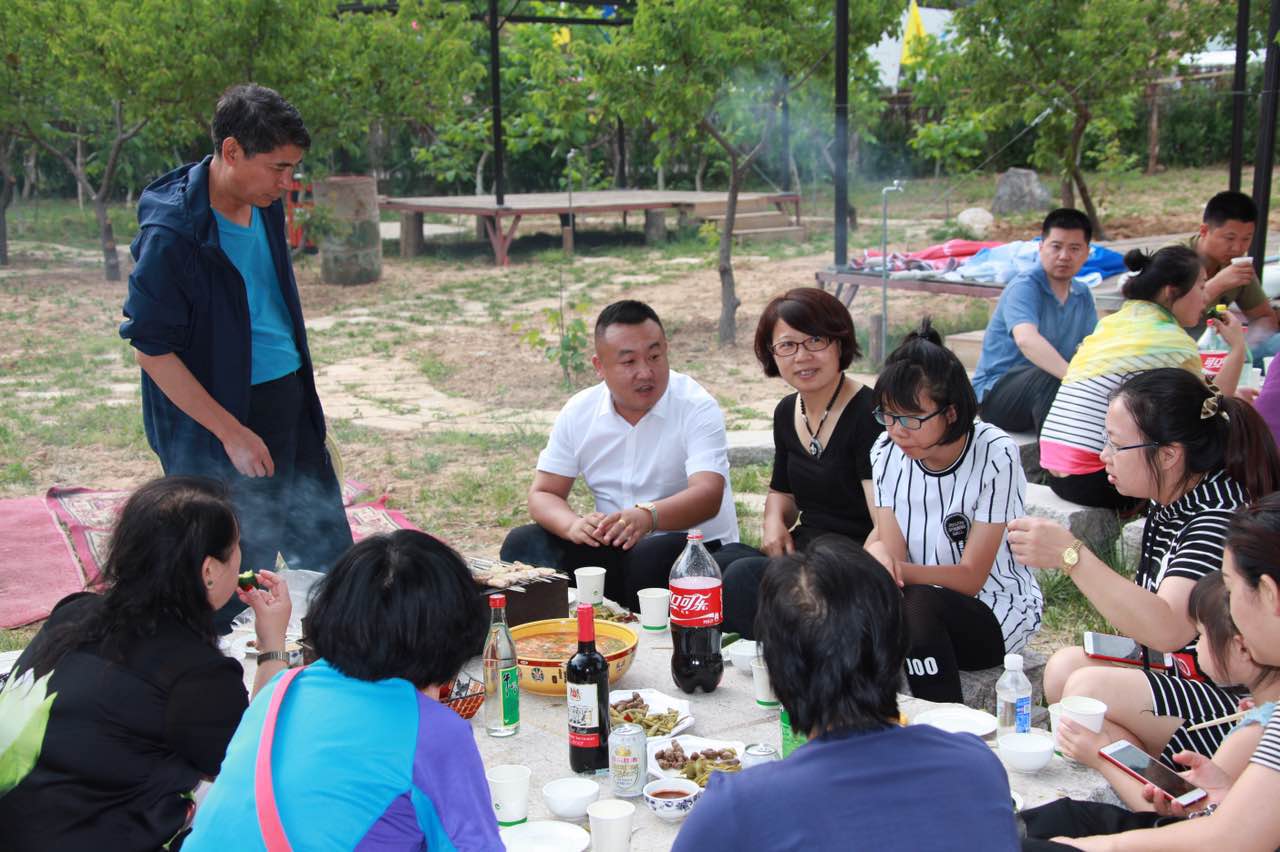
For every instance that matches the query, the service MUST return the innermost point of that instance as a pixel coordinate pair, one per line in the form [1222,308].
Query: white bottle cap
[1013,662]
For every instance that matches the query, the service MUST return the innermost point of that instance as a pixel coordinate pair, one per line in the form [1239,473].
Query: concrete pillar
[655,227]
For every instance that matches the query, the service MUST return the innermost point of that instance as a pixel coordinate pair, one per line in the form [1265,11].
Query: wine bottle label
[696,602]
[509,678]
[584,714]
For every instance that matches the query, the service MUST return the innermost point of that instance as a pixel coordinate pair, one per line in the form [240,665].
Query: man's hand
[624,529]
[1228,278]
[584,529]
[248,453]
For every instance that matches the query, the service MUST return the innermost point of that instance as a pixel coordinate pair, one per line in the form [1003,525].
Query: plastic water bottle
[501,678]
[1013,698]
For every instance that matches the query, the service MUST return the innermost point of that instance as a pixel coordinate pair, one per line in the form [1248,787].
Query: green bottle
[790,739]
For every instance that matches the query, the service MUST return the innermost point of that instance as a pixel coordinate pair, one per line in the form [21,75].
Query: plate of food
[660,715]
[958,720]
[694,758]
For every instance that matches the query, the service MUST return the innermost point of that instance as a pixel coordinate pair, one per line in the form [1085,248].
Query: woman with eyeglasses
[1198,457]
[1166,294]
[944,489]
[822,437]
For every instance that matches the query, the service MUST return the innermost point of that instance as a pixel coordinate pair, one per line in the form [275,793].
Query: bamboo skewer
[1213,723]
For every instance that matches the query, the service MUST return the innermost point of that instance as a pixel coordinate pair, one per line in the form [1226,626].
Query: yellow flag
[913,38]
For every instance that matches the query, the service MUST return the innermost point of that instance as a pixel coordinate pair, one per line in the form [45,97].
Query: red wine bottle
[587,687]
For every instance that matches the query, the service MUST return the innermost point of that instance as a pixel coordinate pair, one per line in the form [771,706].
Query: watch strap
[653,514]
[272,656]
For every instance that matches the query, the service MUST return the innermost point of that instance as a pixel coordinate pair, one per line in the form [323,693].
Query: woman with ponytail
[123,701]
[1199,458]
[944,488]
[1166,294]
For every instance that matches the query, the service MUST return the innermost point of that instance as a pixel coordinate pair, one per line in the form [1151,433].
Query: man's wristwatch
[653,513]
[272,656]
[1071,557]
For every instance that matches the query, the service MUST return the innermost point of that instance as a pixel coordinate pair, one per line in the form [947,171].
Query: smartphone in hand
[1147,769]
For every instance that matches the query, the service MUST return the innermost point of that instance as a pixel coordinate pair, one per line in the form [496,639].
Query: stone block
[1029,448]
[655,227]
[1131,541]
[1098,528]
[750,446]
[977,221]
[1020,191]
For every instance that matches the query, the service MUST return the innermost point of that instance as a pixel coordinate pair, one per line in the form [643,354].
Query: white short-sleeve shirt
[937,509]
[681,435]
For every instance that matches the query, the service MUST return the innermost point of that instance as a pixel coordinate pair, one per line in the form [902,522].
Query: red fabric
[264,794]
[37,565]
[941,251]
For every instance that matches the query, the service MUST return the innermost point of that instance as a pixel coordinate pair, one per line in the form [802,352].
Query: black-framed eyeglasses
[906,421]
[1108,446]
[787,348]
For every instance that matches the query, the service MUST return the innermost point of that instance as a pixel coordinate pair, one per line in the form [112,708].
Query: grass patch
[750,478]
[18,638]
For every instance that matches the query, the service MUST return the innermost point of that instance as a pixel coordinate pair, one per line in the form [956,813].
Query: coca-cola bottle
[696,613]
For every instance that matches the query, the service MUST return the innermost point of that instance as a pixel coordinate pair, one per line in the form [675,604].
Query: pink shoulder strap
[263,789]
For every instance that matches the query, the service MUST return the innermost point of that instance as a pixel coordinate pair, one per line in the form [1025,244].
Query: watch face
[1070,556]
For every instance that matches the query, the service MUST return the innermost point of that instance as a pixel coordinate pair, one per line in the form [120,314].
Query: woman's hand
[777,538]
[1201,772]
[271,609]
[1081,744]
[885,558]
[1038,543]
[1229,327]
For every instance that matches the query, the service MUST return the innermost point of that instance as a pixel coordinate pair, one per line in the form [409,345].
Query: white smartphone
[1123,650]
[1147,769]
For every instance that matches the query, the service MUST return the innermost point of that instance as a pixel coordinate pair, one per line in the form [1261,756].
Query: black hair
[1172,406]
[257,118]
[153,569]
[808,310]
[921,362]
[1067,219]
[400,605]
[1173,266]
[1254,540]
[830,620]
[1229,206]
[625,312]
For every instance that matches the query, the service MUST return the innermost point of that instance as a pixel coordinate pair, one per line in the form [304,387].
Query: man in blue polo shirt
[214,316]
[1041,317]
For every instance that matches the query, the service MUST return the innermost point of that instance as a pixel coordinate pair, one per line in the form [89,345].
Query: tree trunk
[79,169]
[1153,128]
[1087,201]
[700,173]
[729,301]
[8,182]
[480,172]
[110,261]
[30,173]
[662,178]
[1067,192]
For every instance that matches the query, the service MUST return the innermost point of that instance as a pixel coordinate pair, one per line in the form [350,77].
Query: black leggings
[1071,818]
[948,633]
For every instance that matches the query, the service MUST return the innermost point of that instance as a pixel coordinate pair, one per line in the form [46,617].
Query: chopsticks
[1213,723]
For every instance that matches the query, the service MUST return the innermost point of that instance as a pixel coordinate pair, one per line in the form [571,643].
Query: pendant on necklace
[815,447]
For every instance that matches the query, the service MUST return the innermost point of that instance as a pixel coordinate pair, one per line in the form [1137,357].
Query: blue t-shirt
[1029,298]
[274,351]
[915,788]
[355,764]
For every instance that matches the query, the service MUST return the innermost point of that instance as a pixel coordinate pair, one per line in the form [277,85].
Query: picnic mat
[37,565]
[88,517]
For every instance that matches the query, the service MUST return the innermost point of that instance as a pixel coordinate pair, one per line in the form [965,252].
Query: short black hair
[259,119]
[401,605]
[1229,206]
[808,310]
[830,620]
[1067,219]
[921,362]
[626,312]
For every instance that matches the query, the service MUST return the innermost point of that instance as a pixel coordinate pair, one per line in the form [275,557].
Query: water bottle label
[1022,715]
[696,602]
[510,680]
[584,714]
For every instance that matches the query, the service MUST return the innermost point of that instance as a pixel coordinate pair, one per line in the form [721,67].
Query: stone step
[1131,541]
[791,233]
[1029,447]
[750,221]
[750,446]
[1098,528]
[967,345]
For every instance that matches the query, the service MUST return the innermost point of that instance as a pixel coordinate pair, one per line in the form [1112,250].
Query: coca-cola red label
[1211,362]
[696,602]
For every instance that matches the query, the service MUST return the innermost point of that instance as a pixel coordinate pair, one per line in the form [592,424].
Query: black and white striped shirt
[1268,751]
[936,510]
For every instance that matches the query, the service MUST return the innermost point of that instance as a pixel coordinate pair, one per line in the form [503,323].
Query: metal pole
[495,97]
[884,263]
[1239,81]
[842,134]
[1265,156]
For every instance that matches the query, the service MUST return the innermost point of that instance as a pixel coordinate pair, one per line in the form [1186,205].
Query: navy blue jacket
[186,297]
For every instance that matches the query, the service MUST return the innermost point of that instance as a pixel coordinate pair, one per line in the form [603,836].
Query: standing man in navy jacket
[213,312]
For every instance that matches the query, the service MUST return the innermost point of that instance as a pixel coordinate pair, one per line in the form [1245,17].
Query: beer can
[758,753]
[627,758]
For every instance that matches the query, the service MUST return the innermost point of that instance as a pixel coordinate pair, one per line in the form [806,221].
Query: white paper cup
[764,689]
[590,583]
[509,790]
[1245,260]
[1055,713]
[611,825]
[654,604]
[1248,377]
[1266,364]
[1089,712]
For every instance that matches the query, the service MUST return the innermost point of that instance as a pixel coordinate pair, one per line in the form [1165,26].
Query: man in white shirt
[650,445]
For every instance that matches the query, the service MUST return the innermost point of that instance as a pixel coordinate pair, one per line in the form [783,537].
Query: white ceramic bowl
[741,653]
[1029,752]
[672,809]
[568,798]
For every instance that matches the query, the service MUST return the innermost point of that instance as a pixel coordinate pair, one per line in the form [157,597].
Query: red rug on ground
[37,565]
